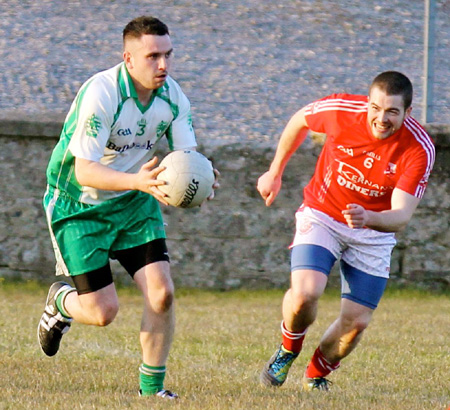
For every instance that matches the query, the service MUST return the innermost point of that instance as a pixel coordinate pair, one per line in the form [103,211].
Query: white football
[189,178]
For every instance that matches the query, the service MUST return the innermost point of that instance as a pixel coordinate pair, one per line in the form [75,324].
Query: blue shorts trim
[357,286]
[360,287]
[312,257]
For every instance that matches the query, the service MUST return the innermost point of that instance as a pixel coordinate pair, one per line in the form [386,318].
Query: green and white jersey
[107,124]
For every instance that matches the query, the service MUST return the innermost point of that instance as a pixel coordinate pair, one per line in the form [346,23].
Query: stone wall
[231,242]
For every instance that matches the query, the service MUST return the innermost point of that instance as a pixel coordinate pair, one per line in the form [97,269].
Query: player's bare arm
[395,219]
[269,184]
[97,175]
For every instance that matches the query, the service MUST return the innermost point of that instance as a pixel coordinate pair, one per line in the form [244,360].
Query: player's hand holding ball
[146,180]
[216,184]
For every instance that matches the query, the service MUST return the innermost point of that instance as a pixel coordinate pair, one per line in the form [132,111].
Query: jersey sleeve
[320,113]
[94,117]
[330,115]
[418,167]
[181,133]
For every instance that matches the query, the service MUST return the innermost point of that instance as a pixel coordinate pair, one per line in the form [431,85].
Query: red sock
[319,366]
[292,341]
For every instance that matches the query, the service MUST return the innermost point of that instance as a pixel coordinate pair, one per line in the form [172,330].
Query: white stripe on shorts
[61,268]
[364,249]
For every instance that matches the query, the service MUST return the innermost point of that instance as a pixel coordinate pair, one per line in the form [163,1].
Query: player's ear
[128,58]
[408,112]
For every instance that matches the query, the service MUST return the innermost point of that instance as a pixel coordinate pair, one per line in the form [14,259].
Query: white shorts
[364,249]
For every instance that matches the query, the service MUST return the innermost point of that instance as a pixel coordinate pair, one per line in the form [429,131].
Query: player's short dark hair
[394,83]
[144,25]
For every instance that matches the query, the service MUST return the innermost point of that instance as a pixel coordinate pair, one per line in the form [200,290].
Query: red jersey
[355,167]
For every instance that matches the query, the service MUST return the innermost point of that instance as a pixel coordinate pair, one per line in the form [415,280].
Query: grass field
[222,341]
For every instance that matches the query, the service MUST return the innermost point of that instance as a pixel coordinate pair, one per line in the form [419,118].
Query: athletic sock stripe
[150,372]
[63,301]
[327,365]
[291,335]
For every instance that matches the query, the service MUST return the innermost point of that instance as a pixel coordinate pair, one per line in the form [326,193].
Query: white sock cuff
[63,300]
[291,335]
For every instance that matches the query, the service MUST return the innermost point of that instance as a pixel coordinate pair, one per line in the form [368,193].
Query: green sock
[60,303]
[151,379]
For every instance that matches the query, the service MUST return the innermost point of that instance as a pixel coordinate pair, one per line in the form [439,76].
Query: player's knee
[360,324]
[162,301]
[303,302]
[105,314]
[356,325]
[107,317]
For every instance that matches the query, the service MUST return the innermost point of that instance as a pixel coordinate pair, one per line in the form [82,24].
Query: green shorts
[85,236]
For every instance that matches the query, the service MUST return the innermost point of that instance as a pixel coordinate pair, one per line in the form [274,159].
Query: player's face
[148,60]
[386,113]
